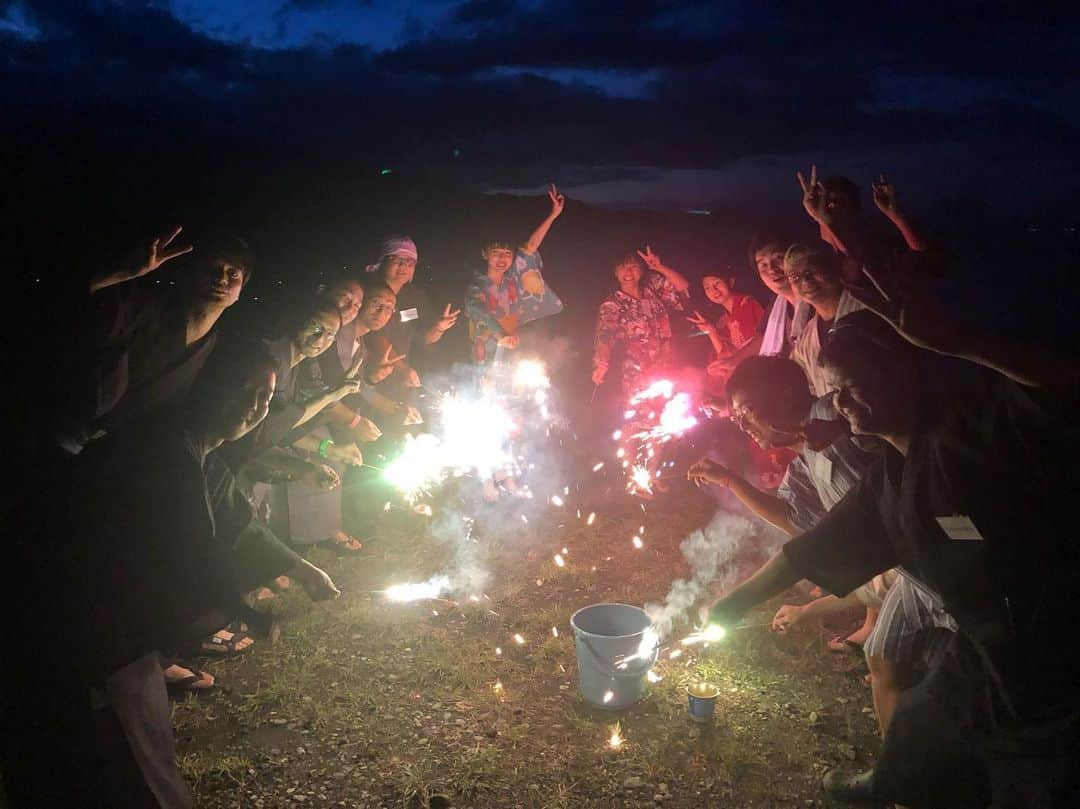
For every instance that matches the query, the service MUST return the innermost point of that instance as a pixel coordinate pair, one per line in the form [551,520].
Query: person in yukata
[771,403]
[972,496]
[317,516]
[636,316]
[511,290]
[152,569]
[146,341]
[729,329]
[814,275]
[839,196]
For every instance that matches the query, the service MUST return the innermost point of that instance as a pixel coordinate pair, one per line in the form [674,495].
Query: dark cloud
[519,90]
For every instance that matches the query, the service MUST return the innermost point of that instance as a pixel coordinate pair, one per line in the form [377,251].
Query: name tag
[959,527]
[408,314]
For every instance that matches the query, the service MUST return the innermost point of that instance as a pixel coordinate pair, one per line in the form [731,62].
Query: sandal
[261,624]
[226,647]
[839,644]
[343,543]
[195,681]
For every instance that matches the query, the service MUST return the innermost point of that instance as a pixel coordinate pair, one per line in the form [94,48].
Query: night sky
[625,103]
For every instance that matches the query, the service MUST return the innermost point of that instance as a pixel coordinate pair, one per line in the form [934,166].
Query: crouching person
[133,563]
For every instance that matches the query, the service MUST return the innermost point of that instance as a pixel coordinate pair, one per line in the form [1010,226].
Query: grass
[394,706]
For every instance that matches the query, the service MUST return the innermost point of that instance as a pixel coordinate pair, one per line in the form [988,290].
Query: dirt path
[367,703]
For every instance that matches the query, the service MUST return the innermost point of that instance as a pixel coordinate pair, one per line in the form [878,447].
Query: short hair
[772,381]
[497,244]
[845,187]
[217,245]
[863,337]
[819,255]
[629,258]
[766,238]
[301,312]
[231,362]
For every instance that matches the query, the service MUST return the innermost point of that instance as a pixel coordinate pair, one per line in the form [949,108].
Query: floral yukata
[495,311]
[642,326]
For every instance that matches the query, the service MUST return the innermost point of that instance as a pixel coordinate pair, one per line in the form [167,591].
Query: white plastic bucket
[605,634]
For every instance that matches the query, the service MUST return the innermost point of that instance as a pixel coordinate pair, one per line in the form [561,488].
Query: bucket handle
[613,671]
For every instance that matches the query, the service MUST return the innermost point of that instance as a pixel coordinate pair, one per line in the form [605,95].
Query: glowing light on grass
[609,695]
[653,677]
[592,518]
[615,740]
[524,519]
[559,561]
[598,467]
[498,651]
[498,688]
[615,436]
[638,543]
[432,588]
[675,654]
[520,641]
[556,500]
[554,631]
[424,509]
[620,453]
[710,633]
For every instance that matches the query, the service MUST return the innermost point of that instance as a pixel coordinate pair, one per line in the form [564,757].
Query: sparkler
[615,741]
[432,588]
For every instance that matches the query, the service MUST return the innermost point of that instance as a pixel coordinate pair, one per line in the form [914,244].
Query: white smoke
[710,552]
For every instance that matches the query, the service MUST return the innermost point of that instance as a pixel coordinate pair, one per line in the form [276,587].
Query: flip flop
[343,547]
[841,645]
[220,647]
[196,682]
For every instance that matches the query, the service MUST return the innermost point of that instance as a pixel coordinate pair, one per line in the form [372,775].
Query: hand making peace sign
[558,201]
[815,201]
[448,319]
[652,261]
[160,252]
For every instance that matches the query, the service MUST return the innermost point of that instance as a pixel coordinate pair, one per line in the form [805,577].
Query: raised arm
[159,252]
[885,199]
[897,293]
[769,507]
[653,262]
[558,202]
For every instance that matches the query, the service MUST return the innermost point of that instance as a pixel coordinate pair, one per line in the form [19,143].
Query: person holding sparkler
[511,290]
[972,495]
[770,403]
[635,316]
[152,568]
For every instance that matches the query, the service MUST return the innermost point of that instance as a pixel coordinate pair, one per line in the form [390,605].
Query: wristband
[324,447]
[355,421]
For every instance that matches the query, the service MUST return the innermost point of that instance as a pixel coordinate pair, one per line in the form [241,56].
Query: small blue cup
[701,701]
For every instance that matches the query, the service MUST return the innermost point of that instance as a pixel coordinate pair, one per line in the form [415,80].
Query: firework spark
[432,588]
